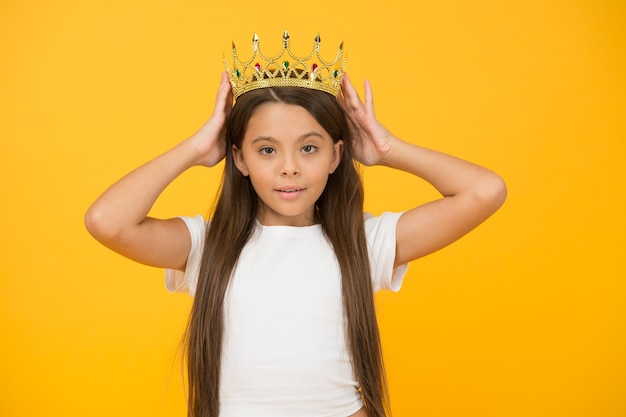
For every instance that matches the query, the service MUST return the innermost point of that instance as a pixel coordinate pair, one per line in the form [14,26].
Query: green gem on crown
[335,73]
[237,73]
[286,64]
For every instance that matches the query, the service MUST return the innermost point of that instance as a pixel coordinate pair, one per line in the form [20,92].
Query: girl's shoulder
[380,232]
[383,224]
[185,280]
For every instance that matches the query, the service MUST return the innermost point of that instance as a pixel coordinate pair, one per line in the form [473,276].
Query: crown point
[341,46]
[317,38]
[255,42]
[233,42]
[286,35]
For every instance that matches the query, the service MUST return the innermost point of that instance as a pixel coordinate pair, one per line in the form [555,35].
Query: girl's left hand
[371,141]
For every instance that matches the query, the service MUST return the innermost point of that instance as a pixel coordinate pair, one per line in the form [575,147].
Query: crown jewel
[286,69]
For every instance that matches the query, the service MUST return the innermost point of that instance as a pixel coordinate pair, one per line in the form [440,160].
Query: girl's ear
[240,162]
[337,153]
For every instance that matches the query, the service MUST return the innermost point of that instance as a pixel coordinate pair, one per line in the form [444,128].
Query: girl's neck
[274,219]
[296,223]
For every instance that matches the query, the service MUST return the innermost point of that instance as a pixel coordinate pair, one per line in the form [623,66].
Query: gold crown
[286,69]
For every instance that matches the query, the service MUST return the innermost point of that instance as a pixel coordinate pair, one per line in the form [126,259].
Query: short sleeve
[381,242]
[186,281]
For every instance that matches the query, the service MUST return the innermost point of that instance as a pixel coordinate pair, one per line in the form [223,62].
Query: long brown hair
[340,213]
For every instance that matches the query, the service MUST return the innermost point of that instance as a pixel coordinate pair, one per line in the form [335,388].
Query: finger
[224,96]
[342,103]
[350,95]
[228,104]
[229,93]
[222,91]
[369,97]
[347,88]
[340,98]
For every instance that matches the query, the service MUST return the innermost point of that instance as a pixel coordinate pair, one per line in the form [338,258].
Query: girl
[283,320]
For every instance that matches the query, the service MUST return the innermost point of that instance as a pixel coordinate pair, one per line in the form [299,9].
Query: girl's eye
[309,148]
[267,150]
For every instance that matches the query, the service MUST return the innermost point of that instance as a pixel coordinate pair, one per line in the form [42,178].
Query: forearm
[127,202]
[451,176]
[471,194]
[118,218]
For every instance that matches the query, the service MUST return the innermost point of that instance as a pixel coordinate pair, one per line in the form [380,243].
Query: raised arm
[118,218]
[470,192]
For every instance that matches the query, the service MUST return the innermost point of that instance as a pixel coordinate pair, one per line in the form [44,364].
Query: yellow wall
[524,317]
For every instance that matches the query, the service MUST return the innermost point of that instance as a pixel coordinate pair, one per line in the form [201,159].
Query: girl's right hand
[210,140]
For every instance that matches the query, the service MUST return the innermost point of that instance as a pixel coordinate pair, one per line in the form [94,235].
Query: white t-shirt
[284,348]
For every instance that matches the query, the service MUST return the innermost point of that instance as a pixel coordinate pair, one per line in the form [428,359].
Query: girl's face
[288,156]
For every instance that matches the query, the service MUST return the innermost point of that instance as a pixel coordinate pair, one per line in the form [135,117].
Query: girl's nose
[289,172]
[289,168]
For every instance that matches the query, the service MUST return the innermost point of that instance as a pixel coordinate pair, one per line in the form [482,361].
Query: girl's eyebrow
[311,133]
[263,138]
[301,138]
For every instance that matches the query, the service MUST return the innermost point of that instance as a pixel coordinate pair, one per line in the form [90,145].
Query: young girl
[283,274]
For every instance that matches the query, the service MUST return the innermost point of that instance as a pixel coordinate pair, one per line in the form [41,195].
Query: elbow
[501,191]
[98,226]
[491,193]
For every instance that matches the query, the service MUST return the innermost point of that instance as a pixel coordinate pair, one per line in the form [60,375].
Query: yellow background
[524,317]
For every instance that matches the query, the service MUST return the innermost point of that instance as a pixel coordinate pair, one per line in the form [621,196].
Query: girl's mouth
[290,192]
[290,189]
